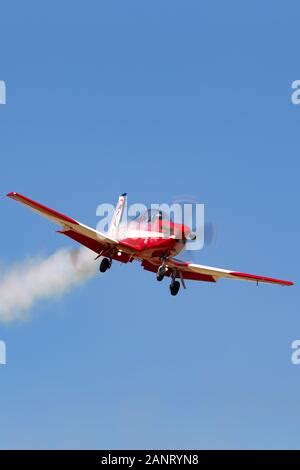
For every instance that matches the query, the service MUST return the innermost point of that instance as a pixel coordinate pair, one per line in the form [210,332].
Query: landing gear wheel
[174,287]
[161,273]
[104,265]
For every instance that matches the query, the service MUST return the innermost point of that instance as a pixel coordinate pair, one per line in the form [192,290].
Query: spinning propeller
[210,229]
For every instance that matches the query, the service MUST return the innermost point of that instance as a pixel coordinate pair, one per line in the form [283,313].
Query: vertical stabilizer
[117,216]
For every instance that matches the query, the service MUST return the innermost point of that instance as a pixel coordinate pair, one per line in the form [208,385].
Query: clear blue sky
[154,98]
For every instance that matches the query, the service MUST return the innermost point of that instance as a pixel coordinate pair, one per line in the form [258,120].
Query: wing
[199,272]
[79,232]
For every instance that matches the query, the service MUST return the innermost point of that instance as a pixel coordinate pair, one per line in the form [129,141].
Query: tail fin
[117,216]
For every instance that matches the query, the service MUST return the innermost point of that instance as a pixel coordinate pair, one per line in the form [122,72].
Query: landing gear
[174,287]
[161,273]
[105,265]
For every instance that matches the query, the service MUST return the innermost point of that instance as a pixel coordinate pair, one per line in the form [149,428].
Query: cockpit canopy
[150,216]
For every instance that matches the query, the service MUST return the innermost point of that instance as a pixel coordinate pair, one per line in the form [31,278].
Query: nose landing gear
[162,269]
[105,265]
[161,272]
[174,287]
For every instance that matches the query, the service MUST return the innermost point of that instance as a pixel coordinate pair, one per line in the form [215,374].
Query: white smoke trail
[32,280]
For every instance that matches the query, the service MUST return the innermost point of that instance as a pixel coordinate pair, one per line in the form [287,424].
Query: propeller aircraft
[151,238]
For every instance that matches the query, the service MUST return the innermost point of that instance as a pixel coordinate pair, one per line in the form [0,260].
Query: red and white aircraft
[152,247]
